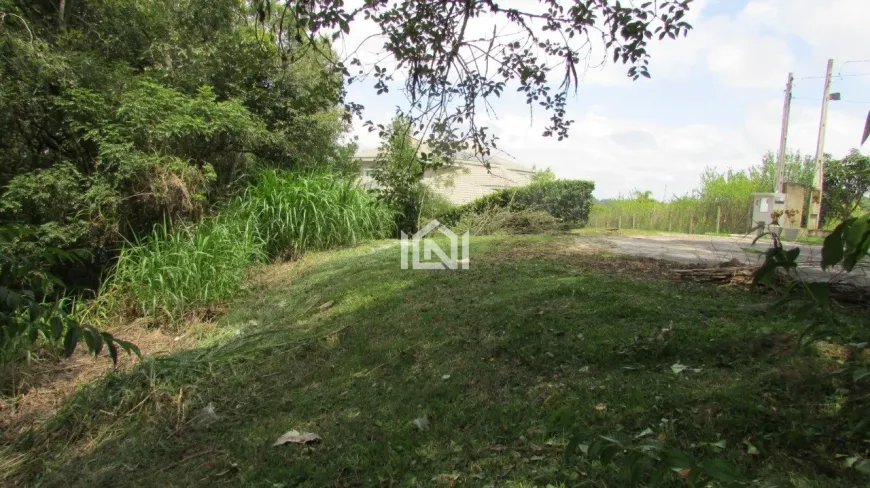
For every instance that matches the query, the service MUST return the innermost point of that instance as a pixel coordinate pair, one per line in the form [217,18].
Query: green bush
[567,200]
[432,205]
[280,215]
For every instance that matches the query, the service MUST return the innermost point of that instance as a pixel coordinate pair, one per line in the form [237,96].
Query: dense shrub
[191,266]
[567,200]
[432,206]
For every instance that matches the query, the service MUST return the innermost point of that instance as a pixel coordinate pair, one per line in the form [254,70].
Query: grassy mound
[474,377]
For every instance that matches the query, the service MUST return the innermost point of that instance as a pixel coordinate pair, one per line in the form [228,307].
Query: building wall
[795,200]
[465,180]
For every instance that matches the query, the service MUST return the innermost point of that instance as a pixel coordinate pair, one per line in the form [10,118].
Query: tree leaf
[71,340]
[572,447]
[56,327]
[821,292]
[609,452]
[98,340]
[832,249]
[856,238]
[129,347]
[866,134]
[33,333]
[720,444]
[113,352]
[750,449]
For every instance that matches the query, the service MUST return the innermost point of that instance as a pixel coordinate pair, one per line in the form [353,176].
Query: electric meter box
[763,204]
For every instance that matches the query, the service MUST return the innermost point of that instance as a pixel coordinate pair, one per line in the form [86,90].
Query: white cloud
[830,27]
[733,47]
[741,56]
[673,162]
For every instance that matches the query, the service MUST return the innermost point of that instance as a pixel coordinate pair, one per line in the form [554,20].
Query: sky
[714,100]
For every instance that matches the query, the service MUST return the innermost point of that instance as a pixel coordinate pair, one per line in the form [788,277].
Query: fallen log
[844,293]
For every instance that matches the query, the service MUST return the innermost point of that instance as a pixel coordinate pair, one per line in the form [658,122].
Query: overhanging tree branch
[428,46]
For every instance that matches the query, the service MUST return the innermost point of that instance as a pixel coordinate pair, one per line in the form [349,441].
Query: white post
[820,144]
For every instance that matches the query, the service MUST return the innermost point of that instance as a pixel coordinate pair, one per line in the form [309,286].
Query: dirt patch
[45,385]
[592,255]
[277,273]
[645,267]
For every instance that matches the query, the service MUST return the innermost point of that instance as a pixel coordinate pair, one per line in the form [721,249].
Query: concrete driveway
[694,249]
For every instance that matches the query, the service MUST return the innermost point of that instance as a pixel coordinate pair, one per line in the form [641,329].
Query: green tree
[125,113]
[544,176]
[847,182]
[400,170]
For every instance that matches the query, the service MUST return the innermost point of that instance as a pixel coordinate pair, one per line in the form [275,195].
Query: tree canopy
[847,182]
[117,114]
[451,71]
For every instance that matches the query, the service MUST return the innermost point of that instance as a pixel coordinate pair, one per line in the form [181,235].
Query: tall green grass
[180,268]
[176,269]
[296,213]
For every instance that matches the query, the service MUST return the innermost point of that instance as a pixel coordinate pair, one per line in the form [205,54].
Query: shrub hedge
[567,200]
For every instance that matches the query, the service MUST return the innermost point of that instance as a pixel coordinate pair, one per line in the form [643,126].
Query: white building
[463,181]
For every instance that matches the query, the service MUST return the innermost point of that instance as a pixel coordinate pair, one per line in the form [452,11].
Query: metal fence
[700,218]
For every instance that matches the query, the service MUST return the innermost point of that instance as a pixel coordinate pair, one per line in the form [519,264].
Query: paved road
[691,249]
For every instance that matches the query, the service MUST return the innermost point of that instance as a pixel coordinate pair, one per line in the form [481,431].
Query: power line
[840,73]
[834,76]
[852,61]
[838,101]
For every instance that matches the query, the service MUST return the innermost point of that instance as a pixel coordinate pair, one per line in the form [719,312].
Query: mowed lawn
[498,365]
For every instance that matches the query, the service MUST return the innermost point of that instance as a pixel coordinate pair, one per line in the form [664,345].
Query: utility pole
[820,145]
[783,135]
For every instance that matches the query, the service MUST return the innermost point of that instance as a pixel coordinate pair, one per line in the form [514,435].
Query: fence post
[692,222]
[718,216]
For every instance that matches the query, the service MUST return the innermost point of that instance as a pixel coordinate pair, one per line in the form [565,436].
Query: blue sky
[715,98]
